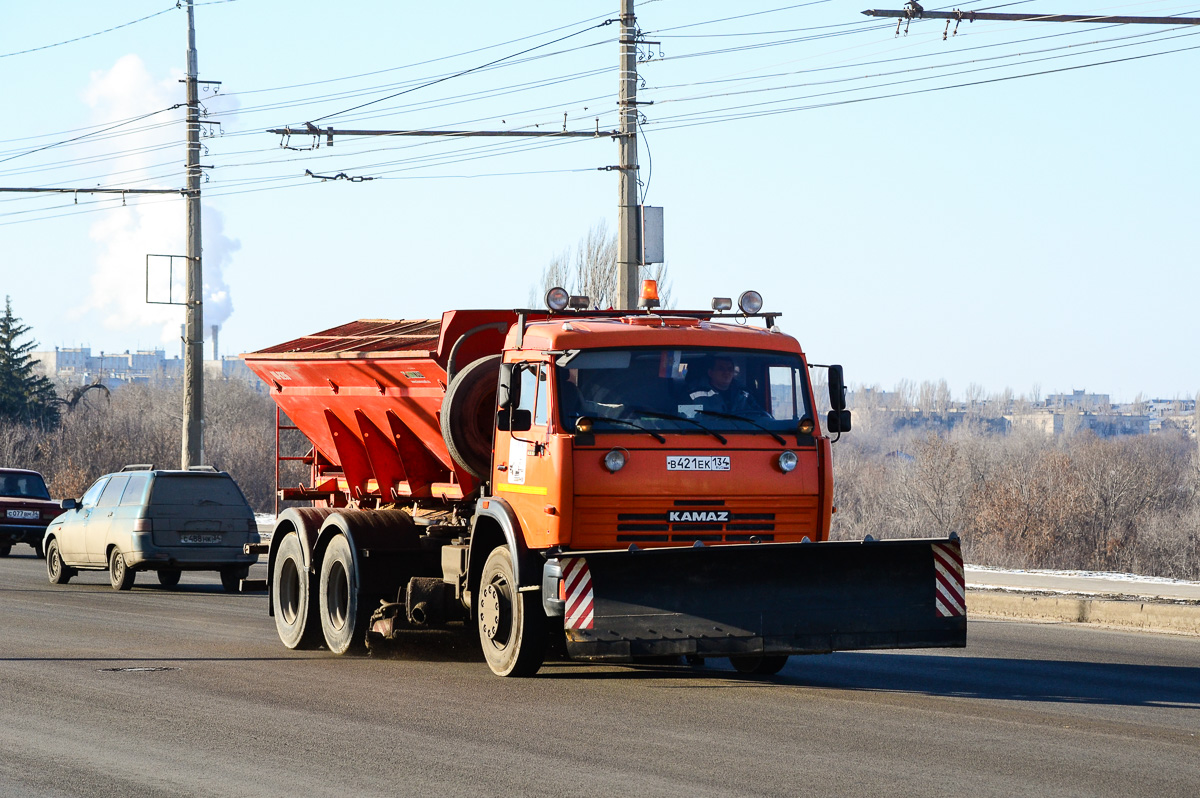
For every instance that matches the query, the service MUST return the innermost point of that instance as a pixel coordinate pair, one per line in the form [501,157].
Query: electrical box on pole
[652,234]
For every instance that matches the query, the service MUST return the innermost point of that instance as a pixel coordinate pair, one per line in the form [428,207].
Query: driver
[720,394]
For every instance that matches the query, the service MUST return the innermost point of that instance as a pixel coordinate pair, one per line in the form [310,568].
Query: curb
[1130,614]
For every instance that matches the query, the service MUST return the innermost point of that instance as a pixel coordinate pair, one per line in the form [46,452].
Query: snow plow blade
[764,598]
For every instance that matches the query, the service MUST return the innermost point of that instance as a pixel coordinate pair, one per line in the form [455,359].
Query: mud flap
[785,598]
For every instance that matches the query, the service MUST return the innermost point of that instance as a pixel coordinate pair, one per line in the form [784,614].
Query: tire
[512,625]
[5,549]
[56,570]
[759,664]
[343,623]
[469,415]
[232,576]
[119,575]
[293,597]
[169,577]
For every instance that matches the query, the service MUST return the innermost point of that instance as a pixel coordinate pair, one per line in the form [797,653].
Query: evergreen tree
[24,395]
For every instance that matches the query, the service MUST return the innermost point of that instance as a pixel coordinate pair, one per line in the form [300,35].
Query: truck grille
[603,523]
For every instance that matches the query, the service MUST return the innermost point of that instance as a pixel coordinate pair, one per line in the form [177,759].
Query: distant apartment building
[78,366]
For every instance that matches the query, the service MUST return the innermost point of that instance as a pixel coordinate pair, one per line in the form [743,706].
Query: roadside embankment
[1110,600]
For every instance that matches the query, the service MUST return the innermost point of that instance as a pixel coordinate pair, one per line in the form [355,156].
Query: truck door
[526,474]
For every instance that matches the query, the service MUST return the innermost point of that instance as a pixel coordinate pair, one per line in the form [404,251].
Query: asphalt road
[159,692]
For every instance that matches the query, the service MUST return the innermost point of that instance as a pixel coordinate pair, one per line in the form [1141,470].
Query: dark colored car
[142,519]
[25,509]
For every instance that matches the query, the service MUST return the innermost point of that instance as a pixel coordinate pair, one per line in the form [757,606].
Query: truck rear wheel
[342,621]
[512,625]
[759,664]
[293,598]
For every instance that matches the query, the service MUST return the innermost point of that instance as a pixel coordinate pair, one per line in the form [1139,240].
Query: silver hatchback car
[143,519]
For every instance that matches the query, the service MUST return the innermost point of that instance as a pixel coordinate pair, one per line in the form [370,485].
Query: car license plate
[676,462]
[31,515]
[199,538]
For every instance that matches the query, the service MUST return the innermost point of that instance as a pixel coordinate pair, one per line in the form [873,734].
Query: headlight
[787,462]
[614,461]
[750,302]
[557,299]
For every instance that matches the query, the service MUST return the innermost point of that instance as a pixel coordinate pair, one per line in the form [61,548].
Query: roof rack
[139,467]
[203,468]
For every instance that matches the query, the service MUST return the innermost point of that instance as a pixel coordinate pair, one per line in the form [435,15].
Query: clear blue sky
[1033,231]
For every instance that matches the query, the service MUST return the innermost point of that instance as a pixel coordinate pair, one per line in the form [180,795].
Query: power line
[90,35]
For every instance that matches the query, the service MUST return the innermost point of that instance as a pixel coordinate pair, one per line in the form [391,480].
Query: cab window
[539,411]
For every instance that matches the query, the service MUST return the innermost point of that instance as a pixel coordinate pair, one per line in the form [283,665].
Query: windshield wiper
[650,432]
[675,417]
[736,417]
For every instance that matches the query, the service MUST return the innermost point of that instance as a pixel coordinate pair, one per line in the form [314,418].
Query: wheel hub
[492,614]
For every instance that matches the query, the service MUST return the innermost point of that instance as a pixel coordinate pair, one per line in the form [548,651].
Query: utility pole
[193,335]
[629,222]
[629,249]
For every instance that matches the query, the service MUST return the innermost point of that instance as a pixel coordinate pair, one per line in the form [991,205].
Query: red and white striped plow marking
[577,588]
[951,594]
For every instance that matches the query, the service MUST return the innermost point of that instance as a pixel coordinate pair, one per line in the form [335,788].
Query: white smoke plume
[152,224]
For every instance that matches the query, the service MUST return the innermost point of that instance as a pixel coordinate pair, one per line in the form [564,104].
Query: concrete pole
[193,345]
[628,240]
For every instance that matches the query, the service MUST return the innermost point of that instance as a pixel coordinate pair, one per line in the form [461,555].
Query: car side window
[93,493]
[112,491]
[135,492]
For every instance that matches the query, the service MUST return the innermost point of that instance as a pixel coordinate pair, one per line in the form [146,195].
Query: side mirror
[508,391]
[837,388]
[838,421]
[522,420]
[68,504]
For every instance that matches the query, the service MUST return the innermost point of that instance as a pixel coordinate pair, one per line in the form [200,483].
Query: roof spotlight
[580,302]
[750,302]
[722,303]
[557,298]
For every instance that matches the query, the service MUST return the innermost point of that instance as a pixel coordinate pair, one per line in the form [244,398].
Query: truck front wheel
[293,597]
[342,621]
[512,625]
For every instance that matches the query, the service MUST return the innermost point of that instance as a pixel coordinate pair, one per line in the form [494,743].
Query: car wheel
[759,664]
[293,597]
[58,573]
[169,577]
[231,578]
[342,620]
[119,574]
[512,624]
[5,549]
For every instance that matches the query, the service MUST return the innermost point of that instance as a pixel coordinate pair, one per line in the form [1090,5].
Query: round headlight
[557,299]
[787,462]
[750,302]
[614,461]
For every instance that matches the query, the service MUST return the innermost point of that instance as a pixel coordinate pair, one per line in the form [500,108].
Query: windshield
[684,390]
[23,486]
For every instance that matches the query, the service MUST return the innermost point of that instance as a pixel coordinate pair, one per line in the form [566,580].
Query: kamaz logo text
[679,516]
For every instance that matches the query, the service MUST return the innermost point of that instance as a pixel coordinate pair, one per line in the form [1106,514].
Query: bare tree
[590,268]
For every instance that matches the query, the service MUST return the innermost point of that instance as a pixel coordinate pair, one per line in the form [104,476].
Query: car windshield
[192,490]
[684,390]
[23,486]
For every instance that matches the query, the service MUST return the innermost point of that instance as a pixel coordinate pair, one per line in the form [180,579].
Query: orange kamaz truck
[643,483]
